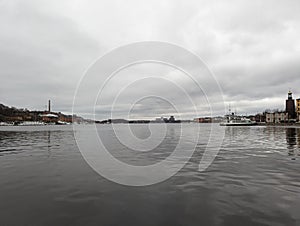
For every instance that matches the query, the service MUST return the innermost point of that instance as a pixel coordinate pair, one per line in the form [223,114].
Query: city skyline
[291,111]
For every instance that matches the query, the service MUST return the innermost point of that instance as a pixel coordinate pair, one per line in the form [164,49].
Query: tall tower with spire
[290,106]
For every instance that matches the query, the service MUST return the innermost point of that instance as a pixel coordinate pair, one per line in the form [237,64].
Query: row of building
[290,115]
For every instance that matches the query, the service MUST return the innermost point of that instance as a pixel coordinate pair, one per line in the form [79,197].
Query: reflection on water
[253,181]
[49,143]
[293,141]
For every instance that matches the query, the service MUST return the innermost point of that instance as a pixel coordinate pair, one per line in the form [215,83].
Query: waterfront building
[259,118]
[160,120]
[298,109]
[203,120]
[290,107]
[49,118]
[277,117]
[171,119]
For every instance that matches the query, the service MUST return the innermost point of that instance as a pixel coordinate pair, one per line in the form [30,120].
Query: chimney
[49,105]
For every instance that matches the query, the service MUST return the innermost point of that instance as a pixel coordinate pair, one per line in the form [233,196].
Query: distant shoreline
[258,125]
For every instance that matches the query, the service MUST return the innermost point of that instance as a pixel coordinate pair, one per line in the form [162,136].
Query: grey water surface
[254,180]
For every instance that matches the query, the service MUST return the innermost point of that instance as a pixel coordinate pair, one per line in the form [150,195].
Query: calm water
[254,180]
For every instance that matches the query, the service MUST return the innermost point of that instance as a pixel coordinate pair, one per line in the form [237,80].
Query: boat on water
[30,123]
[235,120]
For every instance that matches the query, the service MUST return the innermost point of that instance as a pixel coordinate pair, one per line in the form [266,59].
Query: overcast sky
[252,47]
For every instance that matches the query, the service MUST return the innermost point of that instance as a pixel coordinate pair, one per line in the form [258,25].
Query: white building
[276,117]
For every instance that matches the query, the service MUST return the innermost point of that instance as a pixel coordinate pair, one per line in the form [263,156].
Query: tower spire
[290,94]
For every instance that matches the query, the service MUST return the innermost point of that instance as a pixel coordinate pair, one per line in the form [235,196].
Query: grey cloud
[43,56]
[251,46]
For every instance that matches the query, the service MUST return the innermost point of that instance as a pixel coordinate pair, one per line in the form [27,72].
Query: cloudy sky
[252,48]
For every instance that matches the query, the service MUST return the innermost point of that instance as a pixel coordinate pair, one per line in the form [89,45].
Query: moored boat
[235,120]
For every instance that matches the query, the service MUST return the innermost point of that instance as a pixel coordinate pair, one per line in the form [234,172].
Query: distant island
[15,116]
[171,119]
